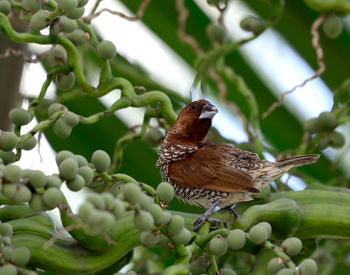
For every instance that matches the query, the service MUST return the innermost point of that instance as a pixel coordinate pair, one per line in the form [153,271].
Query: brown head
[193,123]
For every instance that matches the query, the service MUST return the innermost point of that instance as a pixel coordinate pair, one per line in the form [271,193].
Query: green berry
[332,26]
[8,269]
[61,128]
[54,181]
[37,179]
[149,238]
[39,20]
[62,155]
[165,192]
[107,221]
[267,227]
[12,173]
[166,218]
[57,57]
[274,265]
[156,212]
[97,200]
[336,140]
[227,271]
[81,160]
[70,119]
[67,5]
[106,49]
[5,7]
[87,173]
[7,241]
[76,183]
[252,24]
[6,229]
[31,5]
[216,33]
[21,256]
[198,266]
[145,202]
[258,234]
[8,140]
[236,239]
[285,271]
[153,137]
[29,144]
[22,194]
[7,252]
[101,160]
[7,157]
[143,220]
[323,142]
[175,225]
[132,193]
[36,203]
[65,81]
[9,190]
[183,237]
[69,169]
[292,246]
[327,120]
[56,107]
[66,24]
[75,13]
[78,37]
[218,245]
[109,201]
[118,209]
[52,197]
[86,210]
[19,116]
[308,267]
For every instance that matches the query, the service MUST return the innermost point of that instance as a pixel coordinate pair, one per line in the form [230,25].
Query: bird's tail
[298,161]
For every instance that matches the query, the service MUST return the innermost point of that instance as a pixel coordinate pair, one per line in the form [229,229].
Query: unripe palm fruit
[107,221]
[274,265]
[82,161]
[215,33]
[9,190]
[267,227]
[106,49]
[76,183]
[97,200]
[61,128]
[68,168]
[165,192]
[323,142]
[56,107]
[292,246]
[37,179]
[29,144]
[118,209]
[198,266]
[21,256]
[5,7]
[57,57]
[153,137]
[12,173]
[183,237]
[175,225]
[327,120]
[218,245]
[19,116]
[36,203]
[31,5]
[39,20]
[252,24]
[227,271]
[67,5]
[236,239]
[143,220]
[8,141]
[100,160]
[258,234]
[77,37]
[7,252]
[52,197]
[66,24]
[6,229]
[332,26]
[87,173]
[70,119]
[109,201]
[132,192]
[75,13]
[336,140]
[311,125]
[65,81]
[8,269]
[22,194]
[166,218]
[156,212]
[285,271]
[149,238]
[146,202]
[62,155]
[308,267]
[54,181]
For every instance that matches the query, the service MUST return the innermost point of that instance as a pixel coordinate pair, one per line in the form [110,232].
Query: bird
[214,175]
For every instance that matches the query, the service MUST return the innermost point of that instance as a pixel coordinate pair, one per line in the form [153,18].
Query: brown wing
[206,168]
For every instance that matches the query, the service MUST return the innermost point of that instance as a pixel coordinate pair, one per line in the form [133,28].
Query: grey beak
[209,111]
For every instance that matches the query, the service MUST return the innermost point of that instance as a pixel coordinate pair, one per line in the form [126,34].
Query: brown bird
[210,175]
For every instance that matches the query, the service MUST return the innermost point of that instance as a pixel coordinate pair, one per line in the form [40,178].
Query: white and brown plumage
[208,174]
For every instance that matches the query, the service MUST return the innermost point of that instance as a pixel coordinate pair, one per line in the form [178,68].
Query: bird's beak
[209,111]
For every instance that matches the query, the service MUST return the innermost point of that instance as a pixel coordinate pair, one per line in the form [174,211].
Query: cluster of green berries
[324,127]
[64,124]
[11,258]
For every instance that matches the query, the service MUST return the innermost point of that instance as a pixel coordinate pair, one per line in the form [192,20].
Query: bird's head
[193,123]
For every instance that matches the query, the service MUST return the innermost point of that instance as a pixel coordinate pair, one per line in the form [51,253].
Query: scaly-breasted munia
[210,175]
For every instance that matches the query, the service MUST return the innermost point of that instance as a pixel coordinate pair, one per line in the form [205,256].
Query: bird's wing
[206,168]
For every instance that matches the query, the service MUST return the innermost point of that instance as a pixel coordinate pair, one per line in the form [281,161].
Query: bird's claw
[202,219]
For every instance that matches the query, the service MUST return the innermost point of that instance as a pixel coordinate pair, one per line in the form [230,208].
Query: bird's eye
[194,108]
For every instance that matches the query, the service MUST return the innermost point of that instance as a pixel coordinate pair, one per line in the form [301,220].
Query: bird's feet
[233,213]
[202,219]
